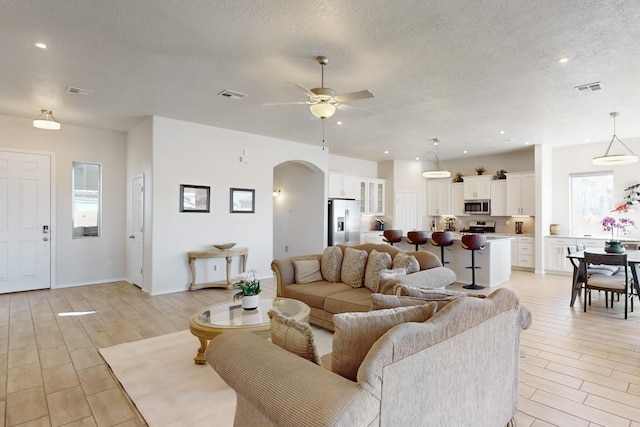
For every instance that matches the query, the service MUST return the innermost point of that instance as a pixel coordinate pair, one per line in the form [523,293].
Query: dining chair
[616,283]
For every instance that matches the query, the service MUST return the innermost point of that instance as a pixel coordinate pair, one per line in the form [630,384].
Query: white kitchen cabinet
[522,253]
[477,187]
[556,255]
[456,193]
[342,186]
[521,194]
[370,194]
[438,197]
[499,198]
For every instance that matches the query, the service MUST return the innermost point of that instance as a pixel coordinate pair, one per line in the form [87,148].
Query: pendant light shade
[323,110]
[46,121]
[615,159]
[437,172]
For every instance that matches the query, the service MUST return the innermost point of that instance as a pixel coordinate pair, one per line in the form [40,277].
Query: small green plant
[459,177]
[248,286]
[480,170]
[501,174]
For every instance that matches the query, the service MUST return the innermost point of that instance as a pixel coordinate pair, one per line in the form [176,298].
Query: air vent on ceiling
[79,91]
[228,93]
[589,87]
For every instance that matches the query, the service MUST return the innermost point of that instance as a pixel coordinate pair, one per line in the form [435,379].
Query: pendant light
[46,121]
[615,159]
[436,173]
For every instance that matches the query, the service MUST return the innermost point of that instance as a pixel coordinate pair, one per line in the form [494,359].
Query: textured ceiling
[456,70]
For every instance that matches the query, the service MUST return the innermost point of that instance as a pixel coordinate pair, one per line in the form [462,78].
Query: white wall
[350,166]
[299,213]
[518,161]
[80,261]
[188,153]
[139,163]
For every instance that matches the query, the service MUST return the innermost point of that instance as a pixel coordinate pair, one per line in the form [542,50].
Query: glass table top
[232,314]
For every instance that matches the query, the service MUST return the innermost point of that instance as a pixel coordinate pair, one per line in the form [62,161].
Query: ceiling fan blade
[354,95]
[287,103]
[346,107]
[303,89]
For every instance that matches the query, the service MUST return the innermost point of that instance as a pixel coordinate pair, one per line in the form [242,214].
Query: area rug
[169,389]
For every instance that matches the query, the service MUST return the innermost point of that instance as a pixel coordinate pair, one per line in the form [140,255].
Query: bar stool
[392,236]
[442,239]
[417,238]
[473,243]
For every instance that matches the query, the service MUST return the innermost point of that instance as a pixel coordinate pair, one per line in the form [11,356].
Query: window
[591,200]
[86,209]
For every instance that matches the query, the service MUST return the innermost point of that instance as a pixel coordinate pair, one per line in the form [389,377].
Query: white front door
[137,232]
[25,215]
[406,211]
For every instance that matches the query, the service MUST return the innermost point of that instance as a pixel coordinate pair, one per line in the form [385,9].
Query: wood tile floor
[581,369]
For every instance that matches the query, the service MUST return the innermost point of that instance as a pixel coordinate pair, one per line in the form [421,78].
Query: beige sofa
[326,298]
[458,368]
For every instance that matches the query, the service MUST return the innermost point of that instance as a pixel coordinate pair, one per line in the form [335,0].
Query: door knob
[46,239]
[132,237]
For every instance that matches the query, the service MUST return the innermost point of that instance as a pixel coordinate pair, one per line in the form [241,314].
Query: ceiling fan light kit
[46,121]
[436,173]
[615,159]
[323,110]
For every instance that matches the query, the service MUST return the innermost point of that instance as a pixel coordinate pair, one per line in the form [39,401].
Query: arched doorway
[299,212]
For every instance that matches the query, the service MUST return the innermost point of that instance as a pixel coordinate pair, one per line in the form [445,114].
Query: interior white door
[25,215]
[137,232]
[406,211]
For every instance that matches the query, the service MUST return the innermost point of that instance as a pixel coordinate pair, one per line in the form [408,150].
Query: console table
[226,253]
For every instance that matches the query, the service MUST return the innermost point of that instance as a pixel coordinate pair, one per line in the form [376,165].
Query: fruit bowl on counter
[224,246]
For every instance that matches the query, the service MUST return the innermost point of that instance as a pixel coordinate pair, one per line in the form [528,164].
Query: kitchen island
[494,260]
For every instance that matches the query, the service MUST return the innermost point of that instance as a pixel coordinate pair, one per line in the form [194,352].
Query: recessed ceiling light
[563,60]
[386,151]
[465,151]
[40,45]
[501,132]
[417,158]
[338,123]
[587,140]
[526,143]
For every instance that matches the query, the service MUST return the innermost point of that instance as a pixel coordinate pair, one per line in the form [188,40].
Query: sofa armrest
[437,277]
[287,389]
[284,271]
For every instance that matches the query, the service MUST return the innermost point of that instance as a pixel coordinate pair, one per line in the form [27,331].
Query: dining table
[633,261]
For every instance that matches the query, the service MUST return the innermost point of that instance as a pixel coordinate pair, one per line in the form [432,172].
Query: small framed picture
[242,200]
[194,198]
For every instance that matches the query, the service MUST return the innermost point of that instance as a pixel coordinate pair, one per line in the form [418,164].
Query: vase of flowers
[616,225]
[248,291]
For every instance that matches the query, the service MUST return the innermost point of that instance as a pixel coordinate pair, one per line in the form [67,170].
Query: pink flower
[623,224]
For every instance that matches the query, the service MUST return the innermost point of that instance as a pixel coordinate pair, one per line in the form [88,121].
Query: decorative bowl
[223,246]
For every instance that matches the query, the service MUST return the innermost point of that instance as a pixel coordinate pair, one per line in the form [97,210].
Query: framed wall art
[242,200]
[194,198]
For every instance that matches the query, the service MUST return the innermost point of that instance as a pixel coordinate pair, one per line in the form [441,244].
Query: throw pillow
[376,262]
[355,333]
[388,274]
[307,270]
[293,336]
[331,264]
[402,260]
[353,267]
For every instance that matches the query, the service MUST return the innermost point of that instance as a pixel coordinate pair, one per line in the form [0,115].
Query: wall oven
[477,207]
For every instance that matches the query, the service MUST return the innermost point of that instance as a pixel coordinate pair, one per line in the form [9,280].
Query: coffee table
[212,321]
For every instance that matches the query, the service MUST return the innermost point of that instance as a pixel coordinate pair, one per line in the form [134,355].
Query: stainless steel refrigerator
[344,222]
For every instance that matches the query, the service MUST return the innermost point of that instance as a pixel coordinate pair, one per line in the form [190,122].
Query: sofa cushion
[358,299]
[313,294]
[391,273]
[357,332]
[353,267]
[307,270]
[376,262]
[331,263]
[294,336]
[402,260]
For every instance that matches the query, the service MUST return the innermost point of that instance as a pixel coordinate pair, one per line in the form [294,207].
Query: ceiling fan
[323,101]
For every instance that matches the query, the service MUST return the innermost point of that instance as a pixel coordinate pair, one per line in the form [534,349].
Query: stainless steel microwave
[477,207]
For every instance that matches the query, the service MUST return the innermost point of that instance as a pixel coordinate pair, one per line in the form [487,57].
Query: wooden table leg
[199,359]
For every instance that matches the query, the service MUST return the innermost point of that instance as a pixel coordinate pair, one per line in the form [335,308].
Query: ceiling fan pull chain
[322,134]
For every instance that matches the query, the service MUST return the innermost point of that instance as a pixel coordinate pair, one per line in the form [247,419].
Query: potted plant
[611,224]
[480,170]
[248,291]
[501,174]
[459,177]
